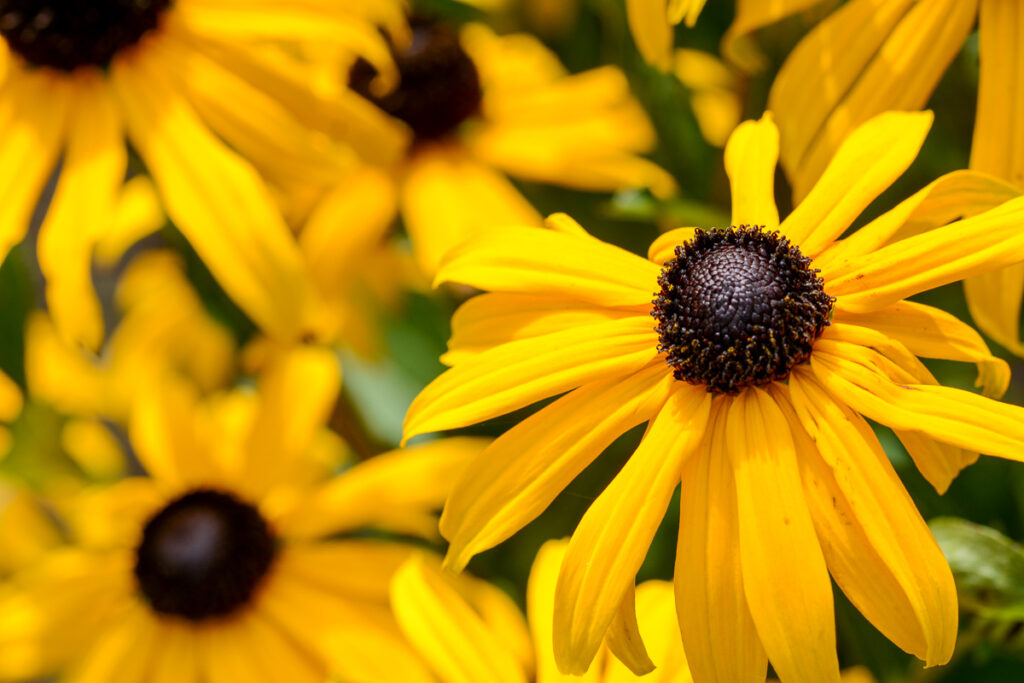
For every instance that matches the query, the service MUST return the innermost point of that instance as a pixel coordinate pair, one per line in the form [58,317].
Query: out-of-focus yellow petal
[10,399]
[738,44]
[750,157]
[933,333]
[518,476]
[34,108]
[27,531]
[864,166]
[714,93]
[999,122]
[217,201]
[522,372]
[552,263]
[124,651]
[448,197]
[868,57]
[648,22]
[859,474]
[95,449]
[388,490]
[95,160]
[784,574]
[612,539]
[718,633]
[137,214]
[975,245]
[446,631]
[663,248]
[297,393]
[951,415]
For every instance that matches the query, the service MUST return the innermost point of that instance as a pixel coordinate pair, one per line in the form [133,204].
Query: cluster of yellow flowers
[188,494]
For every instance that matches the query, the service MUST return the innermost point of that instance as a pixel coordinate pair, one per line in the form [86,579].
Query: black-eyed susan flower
[652,23]
[472,106]
[217,566]
[868,57]
[463,628]
[754,353]
[180,81]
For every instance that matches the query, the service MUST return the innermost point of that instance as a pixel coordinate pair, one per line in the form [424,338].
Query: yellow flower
[163,326]
[770,344]
[472,106]
[180,81]
[10,407]
[652,22]
[217,567]
[871,56]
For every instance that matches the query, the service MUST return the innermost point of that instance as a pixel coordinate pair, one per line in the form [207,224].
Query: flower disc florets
[66,34]
[203,555]
[738,307]
[439,88]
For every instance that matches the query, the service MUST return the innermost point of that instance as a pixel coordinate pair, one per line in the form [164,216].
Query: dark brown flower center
[66,34]
[439,87]
[738,307]
[203,555]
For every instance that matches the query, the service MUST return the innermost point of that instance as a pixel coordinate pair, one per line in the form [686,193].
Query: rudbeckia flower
[868,57]
[756,354]
[177,79]
[462,629]
[652,22]
[225,563]
[472,106]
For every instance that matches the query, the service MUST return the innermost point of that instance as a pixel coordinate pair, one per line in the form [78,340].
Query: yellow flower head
[472,106]
[769,346]
[218,566]
[182,82]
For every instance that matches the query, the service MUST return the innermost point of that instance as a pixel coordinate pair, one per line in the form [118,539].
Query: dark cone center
[738,307]
[439,87]
[203,555]
[66,34]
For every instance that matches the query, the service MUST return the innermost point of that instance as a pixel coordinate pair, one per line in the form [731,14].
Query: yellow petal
[353,568]
[553,263]
[518,476]
[975,245]
[938,462]
[994,300]
[83,206]
[384,490]
[34,108]
[522,372]
[447,197]
[346,225]
[496,318]
[446,631]
[953,196]
[624,640]
[648,22]
[718,633]
[860,476]
[540,606]
[218,202]
[297,393]
[784,574]
[932,333]
[253,123]
[750,157]
[996,147]
[868,57]
[659,627]
[873,156]
[123,652]
[176,658]
[137,214]
[663,248]
[94,448]
[10,399]
[612,539]
[738,44]
[951,415]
